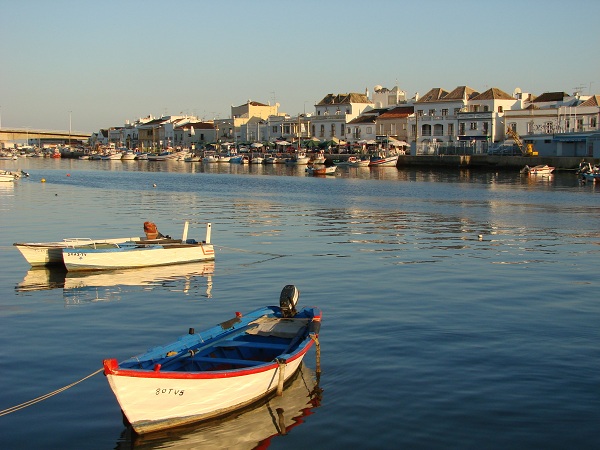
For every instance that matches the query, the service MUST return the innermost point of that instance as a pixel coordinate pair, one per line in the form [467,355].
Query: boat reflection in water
[105,284]
[254,428]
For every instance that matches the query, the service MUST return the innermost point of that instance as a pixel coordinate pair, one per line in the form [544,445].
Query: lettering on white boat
[80,255]
[161,391]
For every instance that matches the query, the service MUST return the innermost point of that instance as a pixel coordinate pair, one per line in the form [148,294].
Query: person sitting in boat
[152,232]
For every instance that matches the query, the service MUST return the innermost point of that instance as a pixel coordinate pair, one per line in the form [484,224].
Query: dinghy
[209,374]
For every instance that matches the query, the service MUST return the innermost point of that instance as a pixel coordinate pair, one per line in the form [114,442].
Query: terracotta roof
[331,99]
[551,97]
[594,100]
[493,94]
[399,112]
[197,126]
[433,95]
[364,119]
[461,93]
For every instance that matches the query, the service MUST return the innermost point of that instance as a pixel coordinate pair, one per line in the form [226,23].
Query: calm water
[432,337]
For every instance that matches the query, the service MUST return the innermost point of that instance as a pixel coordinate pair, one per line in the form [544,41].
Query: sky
[84,65]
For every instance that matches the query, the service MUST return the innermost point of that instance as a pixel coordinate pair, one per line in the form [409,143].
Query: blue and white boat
[205,375]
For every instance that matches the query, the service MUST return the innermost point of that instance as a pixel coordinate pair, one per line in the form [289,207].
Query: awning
[570,138]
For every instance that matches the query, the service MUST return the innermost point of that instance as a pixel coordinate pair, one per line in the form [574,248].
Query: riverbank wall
[491,162]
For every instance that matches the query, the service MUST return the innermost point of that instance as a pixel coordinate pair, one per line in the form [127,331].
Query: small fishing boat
[50,253]
[321,170]
[7,176]
[353,161]
[205,375]
[159,251]
[542,169]
[384,159]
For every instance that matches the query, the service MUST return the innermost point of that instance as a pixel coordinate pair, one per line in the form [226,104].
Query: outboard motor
[288,299]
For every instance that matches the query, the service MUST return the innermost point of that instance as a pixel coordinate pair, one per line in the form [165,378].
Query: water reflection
[254,428]
[184,278]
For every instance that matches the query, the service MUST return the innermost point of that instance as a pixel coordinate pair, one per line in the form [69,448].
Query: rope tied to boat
[315,338]
[15,408]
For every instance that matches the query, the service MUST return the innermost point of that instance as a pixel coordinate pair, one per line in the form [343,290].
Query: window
[438,130]
[593,122]
[333,129]
[485,127]
[432,112]
[426,130]
[444,112]
[456,111]
[473,126]
[461,128]
[343,131]
[322,132]
[486,108]
[579,124]
[369,130]
[500,109]
[420,112]
[475,108]
[548,127]
[450,129]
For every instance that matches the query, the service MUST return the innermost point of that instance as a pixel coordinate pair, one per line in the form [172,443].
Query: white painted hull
[48,253]
[254,427]
[89,259]
[152,404]
[390,161]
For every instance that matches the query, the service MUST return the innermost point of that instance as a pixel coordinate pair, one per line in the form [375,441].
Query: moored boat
[205,375]
[384,159]
[353,161]
[159,251]
[542,169]
[7,176]
[50,253]
[321,170]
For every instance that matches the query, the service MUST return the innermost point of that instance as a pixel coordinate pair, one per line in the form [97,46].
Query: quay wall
[492,162]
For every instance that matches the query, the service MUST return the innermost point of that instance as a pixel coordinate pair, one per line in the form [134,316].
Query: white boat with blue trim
[205,375]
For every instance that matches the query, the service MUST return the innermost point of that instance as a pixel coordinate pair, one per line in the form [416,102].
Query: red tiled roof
[399,112]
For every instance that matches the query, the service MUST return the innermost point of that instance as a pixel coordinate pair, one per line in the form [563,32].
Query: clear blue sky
[104,62]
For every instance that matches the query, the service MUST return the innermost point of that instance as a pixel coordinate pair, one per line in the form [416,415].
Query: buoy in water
[43,180]
[480,237]
[68,174]
[154,185]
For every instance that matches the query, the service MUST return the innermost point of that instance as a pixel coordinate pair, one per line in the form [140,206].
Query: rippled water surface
[460,308]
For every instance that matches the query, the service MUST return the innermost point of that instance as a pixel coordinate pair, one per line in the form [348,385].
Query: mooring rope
[46,396]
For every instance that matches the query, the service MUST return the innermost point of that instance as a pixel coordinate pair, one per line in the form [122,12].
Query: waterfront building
[394,123]
[194,135]
[364,127]
[387,98]
[334,112]
[558,124]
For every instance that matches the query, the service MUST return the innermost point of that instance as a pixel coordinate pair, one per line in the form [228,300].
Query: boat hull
[152,404]
[390,161]
[76,259]
[50,253]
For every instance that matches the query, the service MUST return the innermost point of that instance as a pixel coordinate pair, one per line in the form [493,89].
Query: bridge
[28,136]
